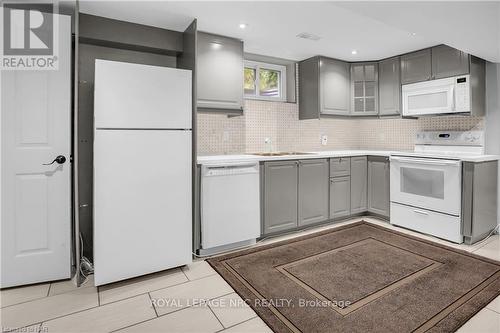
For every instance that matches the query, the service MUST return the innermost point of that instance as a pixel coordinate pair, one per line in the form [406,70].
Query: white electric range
[426,185]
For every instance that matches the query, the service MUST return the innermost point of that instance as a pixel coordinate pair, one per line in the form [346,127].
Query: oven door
[429,97]
[428,183]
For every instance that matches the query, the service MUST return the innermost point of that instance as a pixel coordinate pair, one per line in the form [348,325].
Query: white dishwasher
[230,206]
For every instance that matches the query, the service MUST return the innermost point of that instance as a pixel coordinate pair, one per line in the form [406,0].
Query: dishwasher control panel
[230,169]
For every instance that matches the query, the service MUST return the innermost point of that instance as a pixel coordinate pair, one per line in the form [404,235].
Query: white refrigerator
[142,170]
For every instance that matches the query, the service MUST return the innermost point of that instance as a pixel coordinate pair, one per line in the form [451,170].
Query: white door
[433,184]
[141,96]
[142,202]
[36,198]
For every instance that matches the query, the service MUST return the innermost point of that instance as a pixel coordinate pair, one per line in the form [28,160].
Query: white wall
[493,115]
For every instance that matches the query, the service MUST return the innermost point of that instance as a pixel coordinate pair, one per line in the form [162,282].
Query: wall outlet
[324,140]
[225,136]
[268,145]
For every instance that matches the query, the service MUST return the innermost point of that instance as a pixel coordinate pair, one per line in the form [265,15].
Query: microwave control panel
[462,94]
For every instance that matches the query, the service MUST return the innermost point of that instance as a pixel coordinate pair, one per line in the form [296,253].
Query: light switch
[324,140]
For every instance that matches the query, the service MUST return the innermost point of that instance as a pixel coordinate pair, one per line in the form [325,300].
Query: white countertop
[218,159]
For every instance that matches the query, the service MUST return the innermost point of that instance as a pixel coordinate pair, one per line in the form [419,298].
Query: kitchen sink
[282,153]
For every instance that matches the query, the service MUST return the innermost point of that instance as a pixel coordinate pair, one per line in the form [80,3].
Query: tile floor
[140,304]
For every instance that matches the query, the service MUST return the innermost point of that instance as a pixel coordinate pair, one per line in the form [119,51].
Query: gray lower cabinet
[313,191]
[359,179]
[378,185]
[280,196]
[299,193]
[448,61]
[416,66]
[389,85]
[219,73]
[324,88]
[340,197]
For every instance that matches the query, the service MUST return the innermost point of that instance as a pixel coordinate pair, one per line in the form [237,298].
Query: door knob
[59,160]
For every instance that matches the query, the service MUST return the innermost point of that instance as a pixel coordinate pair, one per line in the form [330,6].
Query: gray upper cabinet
[324,88]
[359,178]
[340,197]
[313,191]
[416,66]
[389,83]
[334,80]
[309,89]
[434,63]
[378,185]
[334,87]
[280,196]
[364,89]
[447,61]
[219,73]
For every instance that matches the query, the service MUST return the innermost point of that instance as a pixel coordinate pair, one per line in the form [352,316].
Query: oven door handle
[421,212]
[425,161]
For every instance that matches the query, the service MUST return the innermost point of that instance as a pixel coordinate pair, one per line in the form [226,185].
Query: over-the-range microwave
[437,97]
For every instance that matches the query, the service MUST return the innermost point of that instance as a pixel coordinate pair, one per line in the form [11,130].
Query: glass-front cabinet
[364,89]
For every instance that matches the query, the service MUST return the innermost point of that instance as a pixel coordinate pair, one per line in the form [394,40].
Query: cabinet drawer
[428,222]
[340,166]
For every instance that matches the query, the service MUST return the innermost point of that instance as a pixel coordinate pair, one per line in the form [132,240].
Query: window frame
[257,66]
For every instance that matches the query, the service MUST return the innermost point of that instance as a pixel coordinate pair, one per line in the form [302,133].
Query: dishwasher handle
[229,169]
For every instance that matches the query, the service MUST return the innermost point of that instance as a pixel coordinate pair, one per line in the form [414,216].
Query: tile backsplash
[279,123]
[399,134]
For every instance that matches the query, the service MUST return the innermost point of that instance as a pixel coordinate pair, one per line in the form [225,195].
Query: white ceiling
[375,29]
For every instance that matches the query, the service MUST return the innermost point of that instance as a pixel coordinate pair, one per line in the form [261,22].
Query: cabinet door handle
[421,212]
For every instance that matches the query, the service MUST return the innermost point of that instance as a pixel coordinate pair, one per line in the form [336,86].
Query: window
[264,81]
